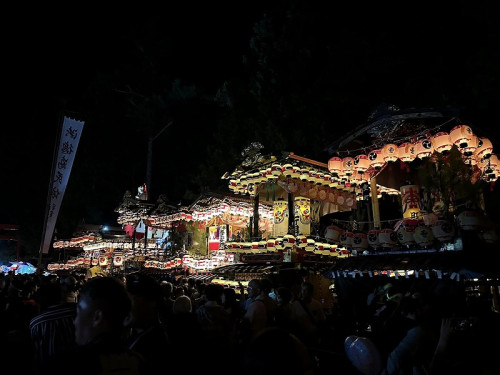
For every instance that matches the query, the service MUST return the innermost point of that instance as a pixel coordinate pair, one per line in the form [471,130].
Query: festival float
[406,195]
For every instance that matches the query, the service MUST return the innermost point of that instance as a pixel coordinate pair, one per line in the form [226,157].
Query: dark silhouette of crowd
[139,322]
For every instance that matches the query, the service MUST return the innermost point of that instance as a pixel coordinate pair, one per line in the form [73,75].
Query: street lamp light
[149,165]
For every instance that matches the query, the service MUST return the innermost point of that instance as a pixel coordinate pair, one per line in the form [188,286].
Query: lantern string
[397,140]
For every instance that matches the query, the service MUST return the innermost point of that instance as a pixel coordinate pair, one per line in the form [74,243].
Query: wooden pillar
[256,213]
[375,208]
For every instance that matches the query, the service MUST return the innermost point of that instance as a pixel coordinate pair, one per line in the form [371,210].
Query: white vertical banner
[69,137]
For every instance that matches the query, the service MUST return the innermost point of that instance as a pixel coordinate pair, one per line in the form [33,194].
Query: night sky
[62,63]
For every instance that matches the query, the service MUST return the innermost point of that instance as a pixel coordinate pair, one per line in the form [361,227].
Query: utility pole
[149,166]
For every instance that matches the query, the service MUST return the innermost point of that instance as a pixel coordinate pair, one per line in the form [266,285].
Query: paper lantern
[318,178]
[310,245]
[301,241]
[410,202]
[424,148]
[443,230]
[346,239]
[332,233]
[312,176]
[319,247]
[461,135]
[387,238]
[348,165]
[442,142]
[304,174]
[405,235]
[376,159]
[326,179]
[255,247]
[287,170]
[390,152]
[270,175]
[262,246]
[279,243]
[471,146]
[276,169]
[271,244]
[407,152]
[484,148]
[361,163]
[262,175]
[491,168]
[335,164]
[359,241]
[296,171]
[288,241]
[423,236]
[372,238]
[244,180]
[471,220]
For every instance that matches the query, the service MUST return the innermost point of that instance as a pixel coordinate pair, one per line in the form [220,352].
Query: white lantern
[423,236]
[442,142]
[387,238]
[484,148]
[471,146]
[407,152]
[360,241]
[424,148]
[376,159]
[335,164]
[361,163]
[443,230]
[405,234]
[390,152]
[461,135]
[372,238]
[348,165]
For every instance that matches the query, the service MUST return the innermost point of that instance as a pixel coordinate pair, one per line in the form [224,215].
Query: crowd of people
[138,323]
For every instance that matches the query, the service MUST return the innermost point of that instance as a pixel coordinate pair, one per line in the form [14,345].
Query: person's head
[213,292]
[254,288]
[50,294]
[228,297]
[102,308]
[284,295]
[178,291]
[167,288]
[182,304]
[146,295]
[267,285]
[307,290]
